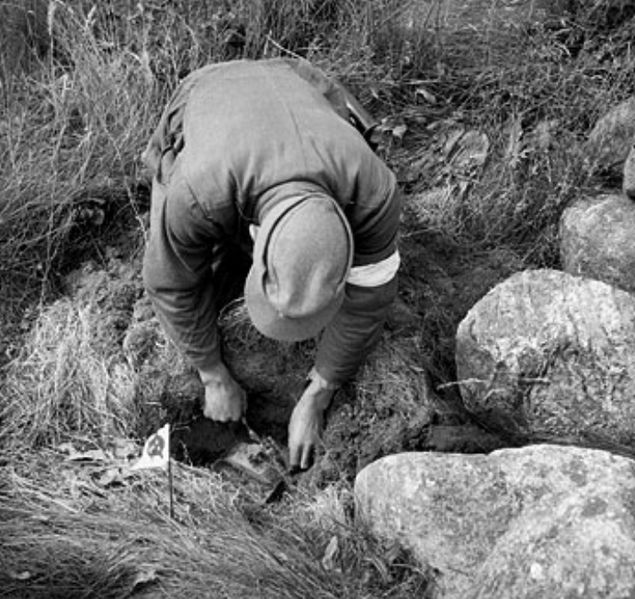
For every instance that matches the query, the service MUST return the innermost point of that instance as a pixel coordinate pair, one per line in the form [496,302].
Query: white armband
[374,275]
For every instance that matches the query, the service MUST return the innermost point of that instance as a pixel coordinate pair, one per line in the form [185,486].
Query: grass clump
[68,540]
[64,385]
[68,136]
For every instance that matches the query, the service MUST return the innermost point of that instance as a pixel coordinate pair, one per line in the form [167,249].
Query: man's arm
[177,272]
[355,330]
[178,276]
[371,289]
[345,344]
[177,263]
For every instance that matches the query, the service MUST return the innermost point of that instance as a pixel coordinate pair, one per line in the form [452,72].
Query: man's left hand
[307,422]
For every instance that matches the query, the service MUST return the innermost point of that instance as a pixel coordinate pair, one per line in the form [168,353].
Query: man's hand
[307,422]
[225,399]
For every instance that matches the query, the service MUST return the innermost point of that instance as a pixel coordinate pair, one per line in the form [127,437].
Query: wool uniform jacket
[236,139]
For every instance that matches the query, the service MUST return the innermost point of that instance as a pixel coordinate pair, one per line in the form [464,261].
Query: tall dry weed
[61,384]
[69,130]
[79,538]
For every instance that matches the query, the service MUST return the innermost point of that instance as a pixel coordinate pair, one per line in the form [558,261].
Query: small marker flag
[156,451]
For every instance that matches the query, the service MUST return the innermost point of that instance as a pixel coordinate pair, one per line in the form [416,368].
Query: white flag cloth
[156,451]
[374,275]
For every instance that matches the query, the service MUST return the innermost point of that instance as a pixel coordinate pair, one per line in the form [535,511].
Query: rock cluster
[540,521]
[596,239]
[548,356]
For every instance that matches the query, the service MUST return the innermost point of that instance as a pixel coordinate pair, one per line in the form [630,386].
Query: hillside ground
[487,147]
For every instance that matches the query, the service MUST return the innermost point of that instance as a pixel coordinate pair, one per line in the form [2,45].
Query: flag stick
[170,487]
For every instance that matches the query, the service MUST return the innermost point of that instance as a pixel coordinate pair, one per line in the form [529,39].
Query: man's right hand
[225,399]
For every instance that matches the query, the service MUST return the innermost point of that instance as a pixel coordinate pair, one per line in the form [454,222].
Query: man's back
[269,127]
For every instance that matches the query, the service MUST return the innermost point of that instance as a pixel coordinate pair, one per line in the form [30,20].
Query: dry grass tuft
[77,539]
[236,326]
[72,132]
[62,384]
[394,380]
[94,364]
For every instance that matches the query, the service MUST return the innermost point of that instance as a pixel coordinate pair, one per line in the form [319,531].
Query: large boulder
[542,521]
[611,138]
[548,355]
[597,241]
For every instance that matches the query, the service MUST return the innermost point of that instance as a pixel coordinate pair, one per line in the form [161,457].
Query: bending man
[267,160]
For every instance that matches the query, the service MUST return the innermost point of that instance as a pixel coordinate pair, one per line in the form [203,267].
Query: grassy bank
[73,130]
[74,522]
